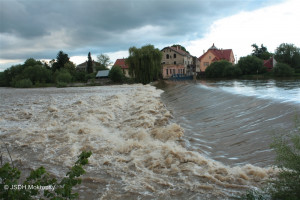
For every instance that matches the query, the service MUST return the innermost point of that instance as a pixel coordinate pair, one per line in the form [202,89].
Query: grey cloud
[103,23]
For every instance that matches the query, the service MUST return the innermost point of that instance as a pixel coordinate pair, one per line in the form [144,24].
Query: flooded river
[234,121]
[197,141]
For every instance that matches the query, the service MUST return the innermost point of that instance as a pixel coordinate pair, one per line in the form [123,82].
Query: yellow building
[213,54]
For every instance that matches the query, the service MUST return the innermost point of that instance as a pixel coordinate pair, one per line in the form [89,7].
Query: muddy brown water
[194,141]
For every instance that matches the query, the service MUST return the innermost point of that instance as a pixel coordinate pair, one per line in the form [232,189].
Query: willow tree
[144,63]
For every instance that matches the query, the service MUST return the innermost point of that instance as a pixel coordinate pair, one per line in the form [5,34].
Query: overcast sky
[41,28]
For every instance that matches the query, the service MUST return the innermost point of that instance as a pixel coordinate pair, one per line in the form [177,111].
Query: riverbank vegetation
[58,72]
[286,186]
[287,58]
[12,188]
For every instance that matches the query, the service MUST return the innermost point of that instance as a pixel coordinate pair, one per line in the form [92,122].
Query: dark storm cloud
[35,28]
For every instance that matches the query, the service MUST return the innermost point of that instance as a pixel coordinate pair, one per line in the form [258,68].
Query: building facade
[83,66]
[176,61]
[214,54]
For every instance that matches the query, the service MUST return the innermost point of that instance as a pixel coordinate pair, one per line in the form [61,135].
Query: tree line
[59,72]
[286,55]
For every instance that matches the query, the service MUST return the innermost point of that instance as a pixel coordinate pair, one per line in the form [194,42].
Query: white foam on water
[128,130]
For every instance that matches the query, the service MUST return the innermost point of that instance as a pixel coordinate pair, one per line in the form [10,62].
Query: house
[124,67]
[83,66]
[214,54]
[176,61]
[270,63]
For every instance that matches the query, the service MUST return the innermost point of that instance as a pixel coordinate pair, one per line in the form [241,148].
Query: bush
[23,83]
[232,71]
[283,70]
[287,184]
[63,76]
[61,84]
[251,65]
[10,177]
[216,69]
[116,74]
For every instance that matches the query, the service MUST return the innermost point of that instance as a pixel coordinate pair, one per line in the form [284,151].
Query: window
[167,56]
[174,71]
[174,62]
[206,63]
[170,71]
[167,71]
[174,55]
[209,57]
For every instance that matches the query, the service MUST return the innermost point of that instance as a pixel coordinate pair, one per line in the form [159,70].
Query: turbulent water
[141,150]
[234,121]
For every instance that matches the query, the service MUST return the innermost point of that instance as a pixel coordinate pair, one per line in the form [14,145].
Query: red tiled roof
[121,63]
[220,54]
[269,63]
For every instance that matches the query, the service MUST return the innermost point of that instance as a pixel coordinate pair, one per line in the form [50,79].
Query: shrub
[23,83]
[64,77]
[116,74]
[282,70]
[61,84]
[251,65]
[62,189]
[287,184]
[232,71]
[216,69]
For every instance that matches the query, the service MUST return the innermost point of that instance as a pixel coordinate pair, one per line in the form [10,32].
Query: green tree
[89,64]
[181,47]
[62,77]
[282,70]
[31,62]
[11,73]
[23,83]
[232,71]
[288,54]
[219,69]
[104,61]
[261,52]
[116,74]
[61,59]
[251,65]
[2,79]
[144,63]
[31,69]
[37,73]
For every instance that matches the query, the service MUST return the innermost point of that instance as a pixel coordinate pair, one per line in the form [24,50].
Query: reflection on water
[233,121]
